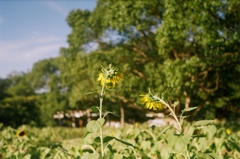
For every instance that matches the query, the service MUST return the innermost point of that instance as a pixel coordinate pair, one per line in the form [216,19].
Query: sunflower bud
[109,76]
[152,101]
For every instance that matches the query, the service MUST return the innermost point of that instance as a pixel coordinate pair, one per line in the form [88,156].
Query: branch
[216,86]
[140,52]
[140,74]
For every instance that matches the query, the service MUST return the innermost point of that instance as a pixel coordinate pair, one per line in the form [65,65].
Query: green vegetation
[189,50]
[218,140]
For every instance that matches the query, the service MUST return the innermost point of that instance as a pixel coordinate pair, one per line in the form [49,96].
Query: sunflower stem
[100,116]
[172,114]
[107,76]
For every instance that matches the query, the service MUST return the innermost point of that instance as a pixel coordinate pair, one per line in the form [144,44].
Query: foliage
[198,40]
[18,104]
[37,143]
[192,57]
[208,140]
[188,48]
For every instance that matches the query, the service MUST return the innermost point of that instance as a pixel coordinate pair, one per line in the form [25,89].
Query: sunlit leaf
[108,112]
[101,121]
[203,122]
[88,155]
[93,126]
[188,109]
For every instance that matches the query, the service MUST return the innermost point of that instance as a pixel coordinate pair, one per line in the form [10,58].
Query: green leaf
[28,156]
[163,94]
[190,131]
[93,126]
[165,129]
[101,121]
[171,139]
[44,151]
[234,145]
[146,145]
[203,122]
[213,155]
[175,104]
[184,117]
[95,108]
[107,139]
[181,143]
[88,155]
[202,155]
[211,130]
[164,152]
[199,136]
[108,112]
[188,109]
[124,142]
[85,134]
[95,92]
[97,139]
[118,156]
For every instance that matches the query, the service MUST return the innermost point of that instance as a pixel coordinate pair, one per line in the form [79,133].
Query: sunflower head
[21,133]
[152,101]
[109,76]
[228,131]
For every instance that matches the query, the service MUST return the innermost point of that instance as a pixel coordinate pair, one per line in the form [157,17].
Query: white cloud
[20,55]
[42,51]
[53,5]
[21,46]
[10,49]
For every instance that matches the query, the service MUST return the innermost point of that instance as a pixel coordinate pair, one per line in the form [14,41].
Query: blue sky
[32,30]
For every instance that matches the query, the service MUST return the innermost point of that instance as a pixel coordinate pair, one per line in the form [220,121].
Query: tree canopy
[191,49]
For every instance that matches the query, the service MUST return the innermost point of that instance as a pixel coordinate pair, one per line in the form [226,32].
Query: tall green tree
[49,89]
[199,41]
[189,48]
[17,102]
[127,43]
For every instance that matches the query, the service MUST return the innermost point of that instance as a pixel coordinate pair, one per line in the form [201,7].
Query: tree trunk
[187,100]
[122,115]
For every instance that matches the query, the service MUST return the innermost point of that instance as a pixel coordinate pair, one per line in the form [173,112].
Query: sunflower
[21,133]
[152,102]
[110,76]
[228,131]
